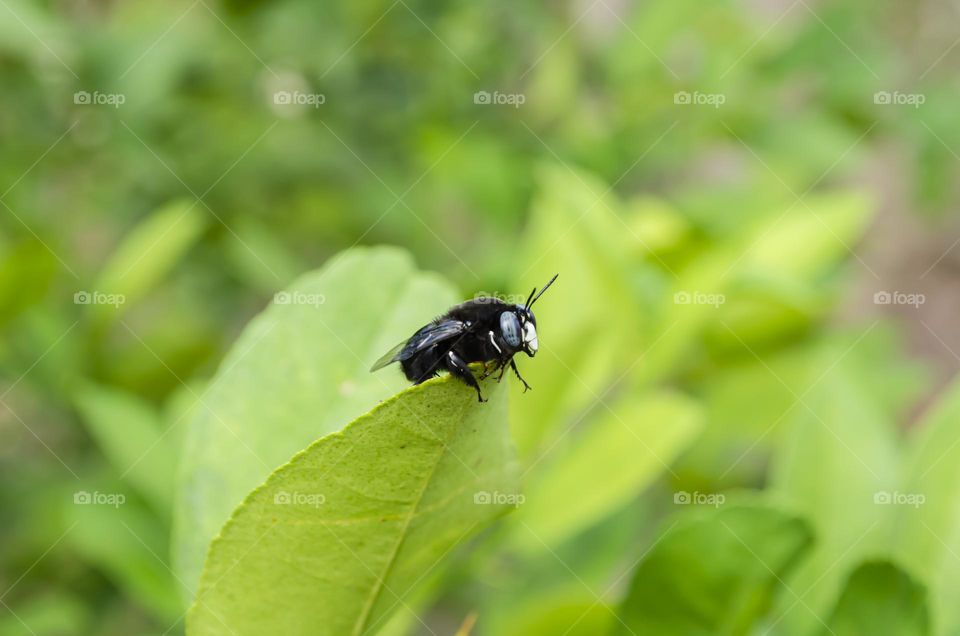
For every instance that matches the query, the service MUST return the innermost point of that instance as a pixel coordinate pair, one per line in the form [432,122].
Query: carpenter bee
[484,329]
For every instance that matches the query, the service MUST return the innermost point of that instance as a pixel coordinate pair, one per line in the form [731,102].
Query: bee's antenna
[542,289]
[527,304]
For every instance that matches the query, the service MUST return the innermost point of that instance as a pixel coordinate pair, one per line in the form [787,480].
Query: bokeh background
[165,168]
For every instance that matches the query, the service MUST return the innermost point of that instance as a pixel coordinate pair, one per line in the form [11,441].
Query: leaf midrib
[380,583]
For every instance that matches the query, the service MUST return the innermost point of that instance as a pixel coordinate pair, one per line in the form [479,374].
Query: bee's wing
[429,335]
[390,356]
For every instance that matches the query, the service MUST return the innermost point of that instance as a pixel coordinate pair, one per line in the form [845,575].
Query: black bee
[480,330]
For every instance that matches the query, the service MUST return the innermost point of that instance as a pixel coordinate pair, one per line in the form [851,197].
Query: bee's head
[518,328]
[518,325]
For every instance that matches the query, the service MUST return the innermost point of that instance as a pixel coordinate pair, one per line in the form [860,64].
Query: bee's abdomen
[423,365]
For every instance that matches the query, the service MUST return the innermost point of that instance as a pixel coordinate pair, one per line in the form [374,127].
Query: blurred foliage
[136,241]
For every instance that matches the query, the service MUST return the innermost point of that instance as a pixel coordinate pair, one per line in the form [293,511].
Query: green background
[720,262]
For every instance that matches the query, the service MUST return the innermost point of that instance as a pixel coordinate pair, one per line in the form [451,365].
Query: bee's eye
[510,328]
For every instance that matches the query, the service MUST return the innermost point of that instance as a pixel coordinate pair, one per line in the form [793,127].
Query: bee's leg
[503,367]
[488,368]
[513,365]
[456,366]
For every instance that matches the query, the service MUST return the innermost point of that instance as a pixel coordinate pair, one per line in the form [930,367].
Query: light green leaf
[129,544]
[150,251]
[837,455]
[736,442]
[765,287]
[810,237]
[714,574]
[130,432]
[336,539]
[605,466]
[655,226]
[570,614]
[53,612]
[259,256]
[926,526]
[26,271]
[880,599]
[299,371]
[574,231]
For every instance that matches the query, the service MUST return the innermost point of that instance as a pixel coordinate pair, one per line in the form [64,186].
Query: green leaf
[26,271]
[568,613]
[926,526]
[299,371]
[838,454]
[129,544]
[880,599]
[336,539]
[130,432]
[574,230]
[606,466]
[258,256]
[151,250]
[736,442]
[53,612]
[811,237]
[713,574]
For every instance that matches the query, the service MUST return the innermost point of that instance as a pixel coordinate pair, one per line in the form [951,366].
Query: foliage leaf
[151,250]
[927,533]
[574,220]
[714,574]
[131,556]
[637,438]
[130,432]
[335,540]
[300,370]
[836,457]
[810,238]
[882,600]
